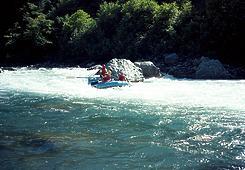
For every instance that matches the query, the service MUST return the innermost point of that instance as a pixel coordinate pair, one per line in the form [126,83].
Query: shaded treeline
[77,31]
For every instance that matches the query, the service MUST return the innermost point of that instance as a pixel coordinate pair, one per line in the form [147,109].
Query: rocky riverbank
[199,68]
[171,64]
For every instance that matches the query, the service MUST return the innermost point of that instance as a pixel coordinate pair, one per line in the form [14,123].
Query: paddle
[87,76]
[70,77]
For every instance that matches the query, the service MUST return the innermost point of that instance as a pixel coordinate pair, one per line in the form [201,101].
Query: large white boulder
[132,72]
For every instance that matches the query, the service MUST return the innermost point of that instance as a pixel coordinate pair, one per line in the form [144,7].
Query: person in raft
[106,75]
[122,77]
[103,70]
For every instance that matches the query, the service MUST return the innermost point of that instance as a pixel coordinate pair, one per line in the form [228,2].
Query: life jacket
[104,71]
[106,78]
[121,77]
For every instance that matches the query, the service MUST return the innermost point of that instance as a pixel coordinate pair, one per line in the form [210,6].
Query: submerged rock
[38,145]
[132,72]
[148,69]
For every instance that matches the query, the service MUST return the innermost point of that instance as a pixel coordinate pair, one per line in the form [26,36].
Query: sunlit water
[51,119]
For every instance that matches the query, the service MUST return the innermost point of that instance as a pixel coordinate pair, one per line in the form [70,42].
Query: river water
[52,119]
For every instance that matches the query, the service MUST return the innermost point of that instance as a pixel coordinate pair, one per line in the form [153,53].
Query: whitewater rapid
[72,83]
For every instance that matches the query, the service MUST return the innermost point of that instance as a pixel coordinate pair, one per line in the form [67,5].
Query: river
[52,119]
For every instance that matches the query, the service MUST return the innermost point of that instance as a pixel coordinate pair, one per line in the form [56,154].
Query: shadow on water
[22,144]
[38,145]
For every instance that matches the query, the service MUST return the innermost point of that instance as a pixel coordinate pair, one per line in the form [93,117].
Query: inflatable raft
[95,82]
[103,85]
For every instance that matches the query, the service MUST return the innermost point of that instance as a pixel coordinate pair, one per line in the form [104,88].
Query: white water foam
[72,82]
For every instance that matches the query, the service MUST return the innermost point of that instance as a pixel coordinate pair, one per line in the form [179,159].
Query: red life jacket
[104,71]
[106,78]
[122,77]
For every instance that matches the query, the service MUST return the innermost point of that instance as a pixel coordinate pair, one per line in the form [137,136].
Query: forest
[81,31]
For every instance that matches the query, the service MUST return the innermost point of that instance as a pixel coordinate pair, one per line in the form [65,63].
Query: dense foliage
[33,30]
[96,30]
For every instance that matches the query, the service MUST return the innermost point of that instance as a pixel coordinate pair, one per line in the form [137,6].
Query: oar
[90,75]
[70,77]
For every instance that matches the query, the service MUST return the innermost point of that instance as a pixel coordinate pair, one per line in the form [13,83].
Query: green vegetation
[97,30]
[75,27]
[33,30]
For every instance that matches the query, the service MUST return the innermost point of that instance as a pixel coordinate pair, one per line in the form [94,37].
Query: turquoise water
[49,119]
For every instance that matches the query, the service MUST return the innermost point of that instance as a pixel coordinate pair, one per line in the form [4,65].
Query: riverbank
[171,64]
[198,67]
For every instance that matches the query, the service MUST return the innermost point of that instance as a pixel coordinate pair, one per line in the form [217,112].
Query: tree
[108,18]
[137,19]
[31,35]
[225,29]
[75,29]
